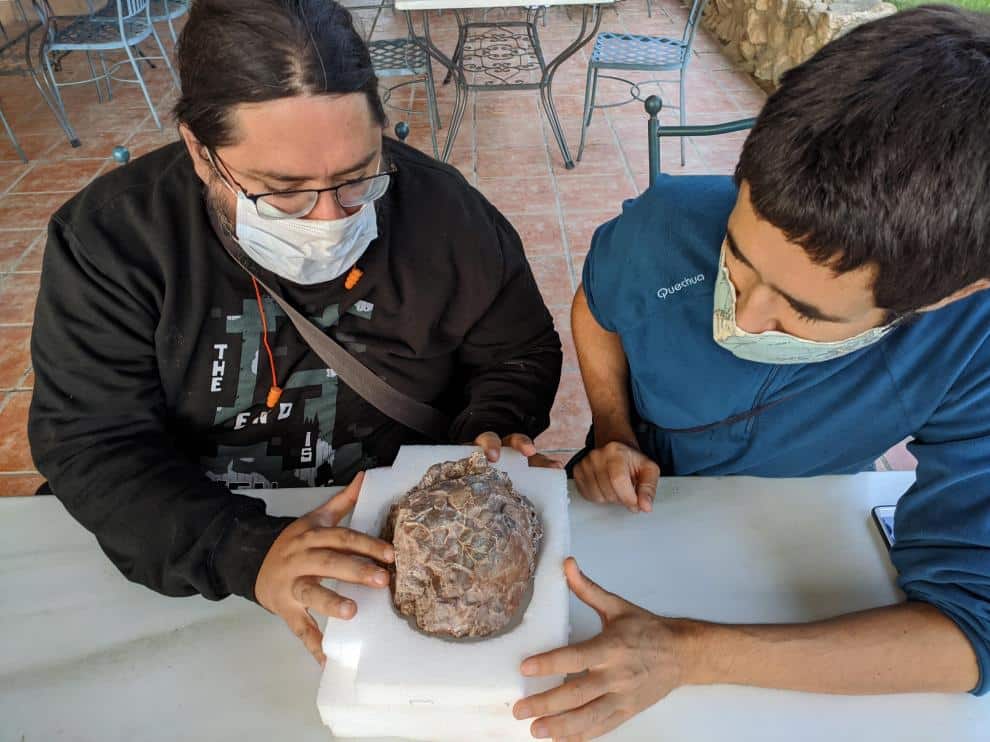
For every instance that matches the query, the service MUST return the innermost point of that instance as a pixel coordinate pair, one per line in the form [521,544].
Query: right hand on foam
[314,548]
[618,473]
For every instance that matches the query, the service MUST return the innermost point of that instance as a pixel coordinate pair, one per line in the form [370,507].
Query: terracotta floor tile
[69,176]
[18,294]
[540,233]
[582,193]
[14,450]
[510,132]
[31,262]
[93,145]
[13,245]
[15,355]
[522,195]
[143,142]
[28,383]
[570,417]
[10,173]
[22,211]
[600,158]
[562,321]
[580,228]
[494,162]
[577,263]
[554,279]
[34,145]
[20,485]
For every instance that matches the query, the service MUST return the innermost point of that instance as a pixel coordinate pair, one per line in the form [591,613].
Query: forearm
[605,373]
[911,647]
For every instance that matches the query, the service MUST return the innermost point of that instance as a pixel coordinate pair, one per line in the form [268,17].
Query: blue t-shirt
[650,276]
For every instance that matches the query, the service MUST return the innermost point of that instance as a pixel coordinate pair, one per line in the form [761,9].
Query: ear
[980,285]
[197,152]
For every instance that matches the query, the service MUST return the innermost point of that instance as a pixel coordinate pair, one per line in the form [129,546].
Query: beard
[217,199]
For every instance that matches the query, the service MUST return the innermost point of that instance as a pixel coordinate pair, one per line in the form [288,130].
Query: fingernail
[389,554]
[648,506]
[381,578]
[492,454]
[347,609]
[539,731]
[520,711]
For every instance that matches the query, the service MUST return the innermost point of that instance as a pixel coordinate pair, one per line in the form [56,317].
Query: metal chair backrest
[694,18]
[131,8]
[653,105]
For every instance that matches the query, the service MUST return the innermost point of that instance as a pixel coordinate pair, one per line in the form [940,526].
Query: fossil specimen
[465,546]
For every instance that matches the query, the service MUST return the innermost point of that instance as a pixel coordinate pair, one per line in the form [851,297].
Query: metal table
[85,655]
[507,50]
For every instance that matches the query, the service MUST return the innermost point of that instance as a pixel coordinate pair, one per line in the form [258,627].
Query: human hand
[491,444]
[618,473]
[628,667]
[311,549]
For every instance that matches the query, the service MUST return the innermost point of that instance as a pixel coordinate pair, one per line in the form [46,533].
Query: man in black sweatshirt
[167,376]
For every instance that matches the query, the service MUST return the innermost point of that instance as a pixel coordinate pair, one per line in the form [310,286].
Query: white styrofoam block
[383,677]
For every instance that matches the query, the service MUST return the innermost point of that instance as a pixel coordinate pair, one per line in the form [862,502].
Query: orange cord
[275,393]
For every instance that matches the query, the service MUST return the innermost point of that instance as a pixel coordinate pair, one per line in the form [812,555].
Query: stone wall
[770,36]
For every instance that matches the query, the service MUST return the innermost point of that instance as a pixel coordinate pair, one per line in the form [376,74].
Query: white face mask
[771,346]
[305,251]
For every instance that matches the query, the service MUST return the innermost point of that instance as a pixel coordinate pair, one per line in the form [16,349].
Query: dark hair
[876,151]
[250,51]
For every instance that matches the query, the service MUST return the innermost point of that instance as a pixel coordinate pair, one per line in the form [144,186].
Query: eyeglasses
[296,204]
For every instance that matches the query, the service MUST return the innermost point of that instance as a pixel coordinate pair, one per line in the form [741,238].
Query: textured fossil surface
[465,546]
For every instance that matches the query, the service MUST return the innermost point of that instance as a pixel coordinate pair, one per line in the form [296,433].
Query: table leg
[588,12]
[454,69]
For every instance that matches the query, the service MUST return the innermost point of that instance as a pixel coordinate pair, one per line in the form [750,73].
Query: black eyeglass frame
[255,197]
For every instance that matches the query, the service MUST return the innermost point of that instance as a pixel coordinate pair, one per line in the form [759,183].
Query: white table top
[472,4]
[85,655]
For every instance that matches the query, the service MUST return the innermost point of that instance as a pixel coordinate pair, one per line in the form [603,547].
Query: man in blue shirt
[800,320]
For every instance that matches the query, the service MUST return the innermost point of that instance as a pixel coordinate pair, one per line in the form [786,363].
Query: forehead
[305,134]
[787,267]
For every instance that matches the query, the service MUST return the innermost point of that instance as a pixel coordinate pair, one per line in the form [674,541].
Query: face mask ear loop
[275,392]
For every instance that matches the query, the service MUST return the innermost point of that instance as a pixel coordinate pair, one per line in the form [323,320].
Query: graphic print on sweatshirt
[290,445]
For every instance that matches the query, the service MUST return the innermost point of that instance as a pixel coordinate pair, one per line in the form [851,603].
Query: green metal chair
[407,57]
[653,104]
[625,52]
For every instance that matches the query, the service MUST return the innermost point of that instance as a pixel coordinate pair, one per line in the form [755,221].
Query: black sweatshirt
[151,376]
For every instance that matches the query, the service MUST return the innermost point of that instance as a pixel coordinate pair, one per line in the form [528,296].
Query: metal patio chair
[18,58]
[120,26]
[407,57]
[653,105]
[167,11]
[13,137]
[632,52]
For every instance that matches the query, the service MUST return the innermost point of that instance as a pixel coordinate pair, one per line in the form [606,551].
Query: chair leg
[682,108]
[431,93]
[431,103]
[649,9]
[106,76]
[54,104]
[94,76]
[168,62]
[590,88]
[13,139]
[171,26]
[53,84]
[144,88]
